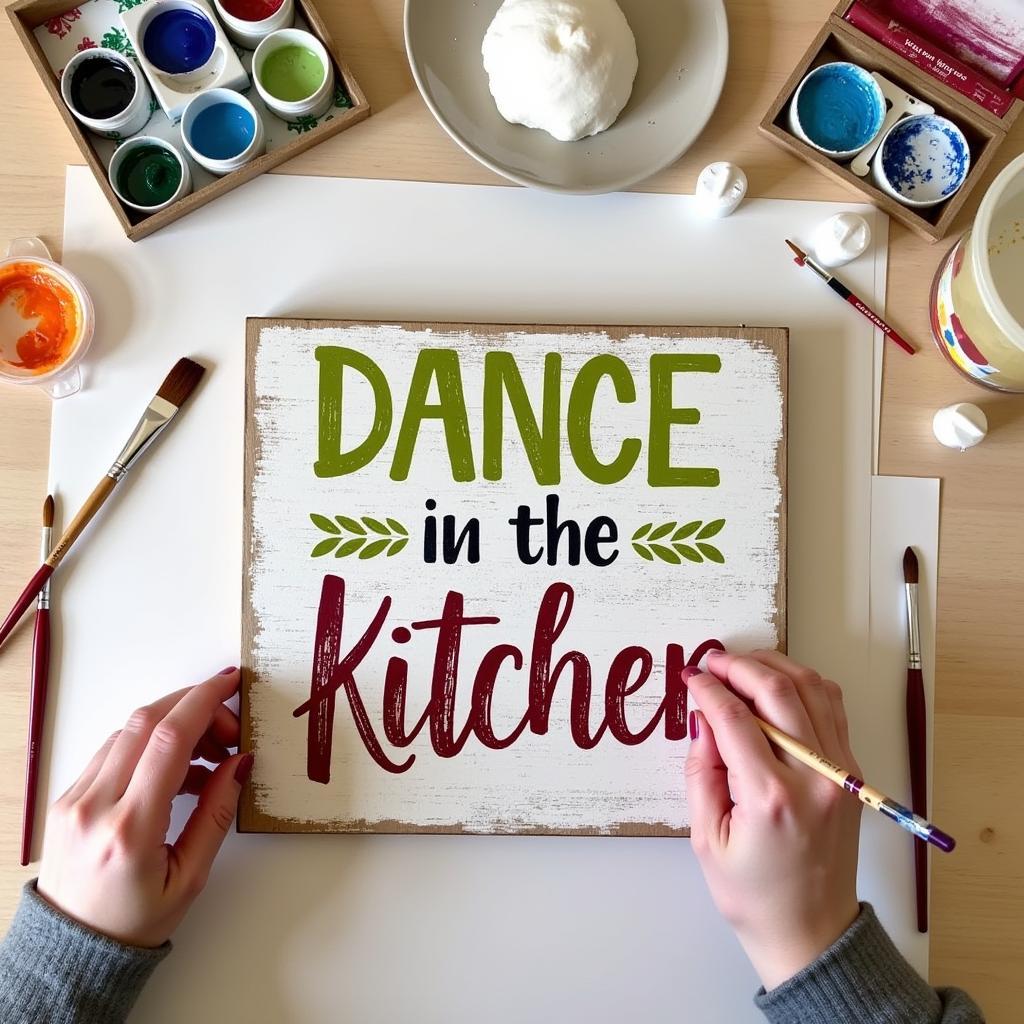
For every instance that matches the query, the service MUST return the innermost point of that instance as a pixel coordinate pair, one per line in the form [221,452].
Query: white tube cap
[960,426]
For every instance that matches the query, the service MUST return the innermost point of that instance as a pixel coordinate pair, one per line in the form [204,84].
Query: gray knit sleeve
[863,979]
[57,971]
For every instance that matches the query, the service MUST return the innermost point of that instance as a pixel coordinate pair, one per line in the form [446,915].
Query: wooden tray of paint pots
[838,40]
[60,16]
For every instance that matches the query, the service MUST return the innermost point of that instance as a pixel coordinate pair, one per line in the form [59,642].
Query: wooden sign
[479,558]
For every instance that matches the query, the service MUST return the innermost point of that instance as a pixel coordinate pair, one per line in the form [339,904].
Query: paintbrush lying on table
[178,385]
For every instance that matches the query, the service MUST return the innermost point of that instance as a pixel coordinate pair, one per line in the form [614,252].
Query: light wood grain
[978,893]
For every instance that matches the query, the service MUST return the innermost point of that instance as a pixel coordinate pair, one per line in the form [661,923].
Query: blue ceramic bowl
[922,160]
[838,109]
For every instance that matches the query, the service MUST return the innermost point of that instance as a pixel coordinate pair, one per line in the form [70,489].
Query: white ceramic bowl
[683,49]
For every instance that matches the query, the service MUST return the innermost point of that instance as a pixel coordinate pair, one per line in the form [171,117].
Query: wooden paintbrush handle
[36,718]
[917,745]
[92,505]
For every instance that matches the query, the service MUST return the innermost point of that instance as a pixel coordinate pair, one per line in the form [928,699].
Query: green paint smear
[149,176]
[292,73]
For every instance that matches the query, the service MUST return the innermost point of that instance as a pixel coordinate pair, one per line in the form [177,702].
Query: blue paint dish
[839,108]
[923,160]
[179,40]
[222,131]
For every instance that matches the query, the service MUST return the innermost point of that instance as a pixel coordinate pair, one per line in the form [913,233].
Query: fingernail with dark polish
[716,653]
[227,671]
[689,671]
[694,725]
[244,769]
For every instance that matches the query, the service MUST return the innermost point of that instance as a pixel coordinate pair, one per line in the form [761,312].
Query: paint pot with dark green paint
[148,174]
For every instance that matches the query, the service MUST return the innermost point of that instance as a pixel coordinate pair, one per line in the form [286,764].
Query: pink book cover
[924,54]
[987,34]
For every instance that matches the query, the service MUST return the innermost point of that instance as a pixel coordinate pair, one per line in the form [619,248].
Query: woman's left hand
[106,861]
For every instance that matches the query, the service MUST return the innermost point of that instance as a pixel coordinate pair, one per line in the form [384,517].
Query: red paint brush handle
[28,595]
[37,714]
[917,745]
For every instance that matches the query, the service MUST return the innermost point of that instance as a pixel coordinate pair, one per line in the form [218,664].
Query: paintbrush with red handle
[803,260]
[177,386]
[37,693]
[917,733]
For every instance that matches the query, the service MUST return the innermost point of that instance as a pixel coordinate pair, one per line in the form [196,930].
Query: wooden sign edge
[250,819]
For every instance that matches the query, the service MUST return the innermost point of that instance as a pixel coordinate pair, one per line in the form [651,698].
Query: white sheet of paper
[383,929]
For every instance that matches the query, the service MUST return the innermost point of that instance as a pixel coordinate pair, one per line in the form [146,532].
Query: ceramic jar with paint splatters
[106,92]
[977,302]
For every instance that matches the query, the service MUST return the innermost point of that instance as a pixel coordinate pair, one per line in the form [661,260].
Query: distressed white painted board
[315,771]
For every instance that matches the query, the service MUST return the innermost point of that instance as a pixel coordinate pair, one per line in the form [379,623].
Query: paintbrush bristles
[181,382]
[800,254]
[909,566]
[48,512]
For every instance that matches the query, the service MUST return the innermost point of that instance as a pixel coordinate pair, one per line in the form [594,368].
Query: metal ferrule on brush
[159,413]
[818,269]
[913,628]
[43,601]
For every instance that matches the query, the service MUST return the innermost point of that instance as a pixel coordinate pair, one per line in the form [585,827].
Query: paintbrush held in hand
[37,693]
[178,385]
[917,733]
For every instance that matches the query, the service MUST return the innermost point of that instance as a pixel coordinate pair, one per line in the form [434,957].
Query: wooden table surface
[978,894]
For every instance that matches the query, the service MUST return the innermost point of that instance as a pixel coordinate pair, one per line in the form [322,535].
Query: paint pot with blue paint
[838,109]
[922,160]
[179,41]
[222,131]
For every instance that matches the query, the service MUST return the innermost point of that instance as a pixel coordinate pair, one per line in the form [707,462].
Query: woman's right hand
[776,841]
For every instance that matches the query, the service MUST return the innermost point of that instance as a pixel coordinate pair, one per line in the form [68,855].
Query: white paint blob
[840,239]
[564,66]
[960,426]
[721,187]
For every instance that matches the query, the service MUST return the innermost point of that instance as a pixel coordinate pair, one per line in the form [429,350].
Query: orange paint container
[46,320]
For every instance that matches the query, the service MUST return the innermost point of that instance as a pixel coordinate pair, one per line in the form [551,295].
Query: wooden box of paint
[34,20]
[984,131]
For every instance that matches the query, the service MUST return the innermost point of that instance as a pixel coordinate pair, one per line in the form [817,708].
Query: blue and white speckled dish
[838,109]
[922,161]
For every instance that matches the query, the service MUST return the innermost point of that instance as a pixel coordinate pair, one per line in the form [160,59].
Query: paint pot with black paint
[106,92]
[222,131]
[149,174]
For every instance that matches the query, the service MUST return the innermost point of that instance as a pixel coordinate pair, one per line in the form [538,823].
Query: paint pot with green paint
[149,174]
[294,74]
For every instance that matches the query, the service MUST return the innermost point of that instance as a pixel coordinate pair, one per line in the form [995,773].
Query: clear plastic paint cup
[837,109]
[977,299]
[122,160]
[243,24]
[289,106]
[32,288]
[201,142]
[119,125]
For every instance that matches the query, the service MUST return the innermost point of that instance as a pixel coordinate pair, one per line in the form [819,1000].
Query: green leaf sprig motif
[365,535]
[669,542]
